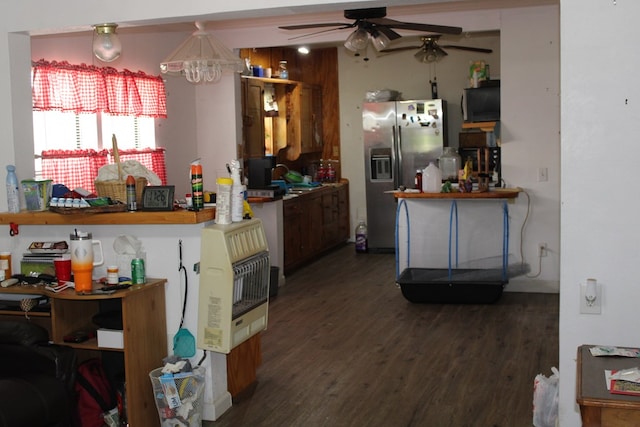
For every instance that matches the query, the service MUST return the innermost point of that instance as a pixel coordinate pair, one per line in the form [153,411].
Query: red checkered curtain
[73,168]
[151,158]
[60,86]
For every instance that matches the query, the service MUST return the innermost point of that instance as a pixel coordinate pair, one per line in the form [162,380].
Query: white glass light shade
[357,40]
[201,58]
[107,46]
[380,41]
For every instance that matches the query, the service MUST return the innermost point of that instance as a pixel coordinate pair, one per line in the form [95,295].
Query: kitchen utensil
[293,177]
[83,259]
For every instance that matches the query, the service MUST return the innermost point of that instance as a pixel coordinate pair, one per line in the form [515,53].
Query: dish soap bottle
[362,244]
[431,179]
[13,200]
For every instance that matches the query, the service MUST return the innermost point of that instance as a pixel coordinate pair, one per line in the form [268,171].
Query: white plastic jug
[431,179]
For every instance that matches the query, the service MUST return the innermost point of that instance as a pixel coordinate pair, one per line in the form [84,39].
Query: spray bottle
[238,191]
[196,185]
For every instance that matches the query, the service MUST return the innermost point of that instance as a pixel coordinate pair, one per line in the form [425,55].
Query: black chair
[36,378]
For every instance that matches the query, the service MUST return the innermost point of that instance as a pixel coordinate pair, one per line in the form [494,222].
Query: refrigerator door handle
[397,146]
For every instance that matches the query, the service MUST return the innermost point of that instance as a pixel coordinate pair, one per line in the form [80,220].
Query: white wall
[599,233]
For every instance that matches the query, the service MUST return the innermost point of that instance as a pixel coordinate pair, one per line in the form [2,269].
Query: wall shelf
[483,126]
[180,216]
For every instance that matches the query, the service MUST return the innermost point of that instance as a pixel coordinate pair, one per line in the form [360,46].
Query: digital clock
[158,198]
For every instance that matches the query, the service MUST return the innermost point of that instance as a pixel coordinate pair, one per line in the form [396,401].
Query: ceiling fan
[371,23]
[431,51]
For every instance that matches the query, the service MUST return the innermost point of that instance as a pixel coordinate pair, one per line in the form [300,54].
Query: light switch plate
[596,308]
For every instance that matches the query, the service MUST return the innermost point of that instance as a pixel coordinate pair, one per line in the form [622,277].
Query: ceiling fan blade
[308,26]
[315,33]
[392,35]
[399,49]
[430,28]
[467,48]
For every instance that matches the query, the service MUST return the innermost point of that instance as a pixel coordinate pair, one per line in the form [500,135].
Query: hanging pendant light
[106,43]
[201,58]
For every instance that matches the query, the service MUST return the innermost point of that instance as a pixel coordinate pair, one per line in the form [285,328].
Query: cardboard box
[110,338]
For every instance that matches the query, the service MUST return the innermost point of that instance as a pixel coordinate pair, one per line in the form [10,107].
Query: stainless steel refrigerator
[400,137]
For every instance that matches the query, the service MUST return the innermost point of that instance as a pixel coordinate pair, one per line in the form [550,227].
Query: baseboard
[219,407]
[523,284]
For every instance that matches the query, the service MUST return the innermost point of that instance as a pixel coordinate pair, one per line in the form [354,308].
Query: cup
[267,72]
[62,268]
[83,259]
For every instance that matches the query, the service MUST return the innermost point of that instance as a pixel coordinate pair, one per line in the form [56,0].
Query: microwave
[482,104]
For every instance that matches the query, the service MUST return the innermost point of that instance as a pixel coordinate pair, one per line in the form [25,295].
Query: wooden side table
[599,407]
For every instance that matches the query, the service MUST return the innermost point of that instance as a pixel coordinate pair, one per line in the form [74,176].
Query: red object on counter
[418,180]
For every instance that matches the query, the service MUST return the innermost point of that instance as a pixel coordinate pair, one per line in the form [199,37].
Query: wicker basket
[116,189]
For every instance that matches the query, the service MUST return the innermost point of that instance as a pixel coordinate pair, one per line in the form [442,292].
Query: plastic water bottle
[431,179]
[13,195]
[362,244]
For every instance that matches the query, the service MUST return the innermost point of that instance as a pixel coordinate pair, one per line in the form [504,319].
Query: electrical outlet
[542,249]
[596,305]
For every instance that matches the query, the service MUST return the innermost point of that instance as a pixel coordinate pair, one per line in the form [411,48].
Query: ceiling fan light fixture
[357,40]
[380,41]
[107,46]
[428,55]
[201,58]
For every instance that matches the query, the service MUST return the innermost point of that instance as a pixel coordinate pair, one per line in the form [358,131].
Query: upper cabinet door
[253,118]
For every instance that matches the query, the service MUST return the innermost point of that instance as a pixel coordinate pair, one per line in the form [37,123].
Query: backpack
[96,396]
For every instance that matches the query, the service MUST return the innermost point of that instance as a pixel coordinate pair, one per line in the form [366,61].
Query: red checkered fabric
[73,168]
[60,86]
[79,168]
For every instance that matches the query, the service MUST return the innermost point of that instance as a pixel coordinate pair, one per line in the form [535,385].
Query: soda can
[137,271]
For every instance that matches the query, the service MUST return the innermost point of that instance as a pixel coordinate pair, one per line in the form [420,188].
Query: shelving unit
[452,284]
[144,335]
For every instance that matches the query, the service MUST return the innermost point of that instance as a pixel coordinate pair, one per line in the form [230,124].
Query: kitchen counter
[317,219]
[496,193]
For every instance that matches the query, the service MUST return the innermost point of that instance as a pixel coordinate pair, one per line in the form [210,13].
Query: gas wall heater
[234,284]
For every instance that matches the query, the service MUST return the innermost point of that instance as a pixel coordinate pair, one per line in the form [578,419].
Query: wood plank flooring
[345,348]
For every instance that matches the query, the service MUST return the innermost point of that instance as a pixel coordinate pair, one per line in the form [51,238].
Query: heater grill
[250,283]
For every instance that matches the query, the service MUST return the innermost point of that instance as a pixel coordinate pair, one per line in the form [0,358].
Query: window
[77,108]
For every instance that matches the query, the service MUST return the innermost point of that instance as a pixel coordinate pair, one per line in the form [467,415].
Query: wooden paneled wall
[319,67]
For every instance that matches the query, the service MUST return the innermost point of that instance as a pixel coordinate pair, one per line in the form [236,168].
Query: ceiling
[275,17]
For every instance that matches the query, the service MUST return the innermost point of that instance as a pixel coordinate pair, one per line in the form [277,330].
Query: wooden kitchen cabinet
[314,223]
[252,118]
[297,125]
[310,119]
[144,335]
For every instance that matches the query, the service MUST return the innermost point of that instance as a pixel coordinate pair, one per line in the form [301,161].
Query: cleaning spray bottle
[238,191]
[197,185]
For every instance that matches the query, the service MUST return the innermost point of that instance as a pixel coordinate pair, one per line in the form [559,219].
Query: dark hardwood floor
[345,348]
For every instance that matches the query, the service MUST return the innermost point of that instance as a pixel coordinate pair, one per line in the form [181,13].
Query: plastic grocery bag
[545,399]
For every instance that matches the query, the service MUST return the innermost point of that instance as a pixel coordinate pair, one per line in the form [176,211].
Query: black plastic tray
[465,286]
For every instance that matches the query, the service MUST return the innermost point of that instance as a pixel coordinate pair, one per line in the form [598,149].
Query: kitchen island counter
[497,193]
